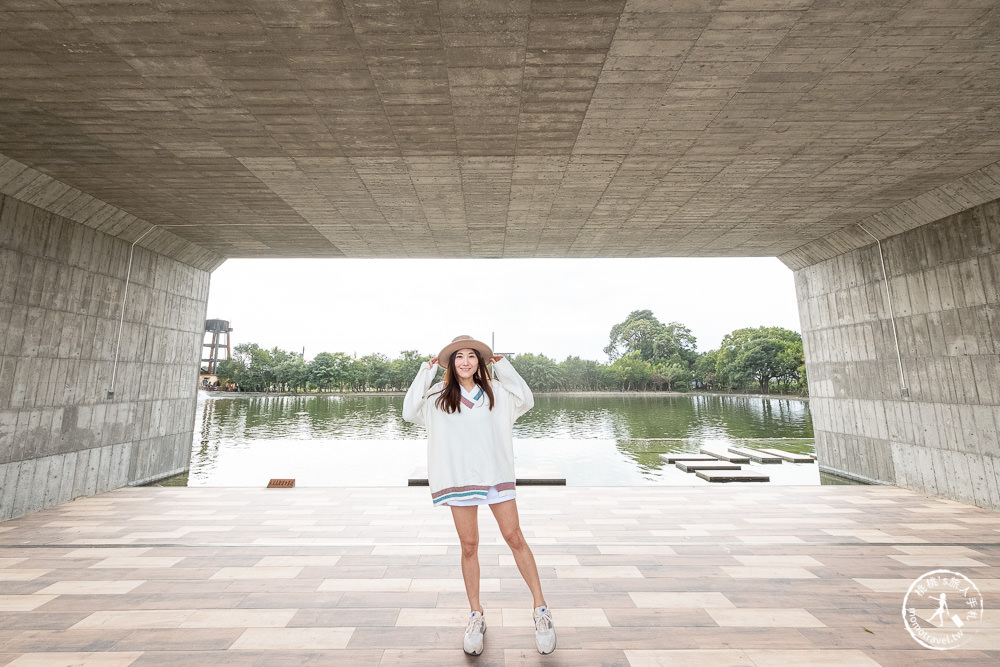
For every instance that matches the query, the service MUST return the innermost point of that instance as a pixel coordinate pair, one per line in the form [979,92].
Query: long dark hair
[450,398]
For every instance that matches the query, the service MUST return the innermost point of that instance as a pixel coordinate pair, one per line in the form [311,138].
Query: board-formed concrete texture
[929,418]
[61,435]
[504,128]
[206,129]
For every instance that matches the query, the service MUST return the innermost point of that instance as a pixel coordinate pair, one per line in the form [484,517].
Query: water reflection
[306,417]
[591,440]
[665,417]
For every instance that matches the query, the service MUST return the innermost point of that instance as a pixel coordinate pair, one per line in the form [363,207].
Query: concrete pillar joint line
[121,321]
[892,317]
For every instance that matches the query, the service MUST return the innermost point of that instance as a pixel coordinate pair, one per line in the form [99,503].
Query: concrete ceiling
[467,128]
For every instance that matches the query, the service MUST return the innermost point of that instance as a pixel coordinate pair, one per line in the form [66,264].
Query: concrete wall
[944,281]
[61,288]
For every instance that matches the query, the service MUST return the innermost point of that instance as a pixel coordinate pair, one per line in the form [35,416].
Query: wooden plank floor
[370,576]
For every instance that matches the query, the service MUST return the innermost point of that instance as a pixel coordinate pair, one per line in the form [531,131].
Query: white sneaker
[474,632]
[545,631]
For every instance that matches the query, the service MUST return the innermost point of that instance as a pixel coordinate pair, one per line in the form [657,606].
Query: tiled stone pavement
[636,576]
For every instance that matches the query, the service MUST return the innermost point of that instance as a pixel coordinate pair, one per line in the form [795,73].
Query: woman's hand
[433,362]
[496,358]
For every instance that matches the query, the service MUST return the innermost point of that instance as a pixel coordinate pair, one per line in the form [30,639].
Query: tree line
[644,355]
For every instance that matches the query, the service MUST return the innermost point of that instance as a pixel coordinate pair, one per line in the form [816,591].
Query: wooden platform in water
[528,477]
[725,456]
[748,475]
[756,455]
[674,458]
[789,456]
[693,466]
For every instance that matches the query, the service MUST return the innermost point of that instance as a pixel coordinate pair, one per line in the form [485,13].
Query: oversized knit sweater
[470,450]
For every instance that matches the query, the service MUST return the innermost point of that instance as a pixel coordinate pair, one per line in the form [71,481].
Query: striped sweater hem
[472,491]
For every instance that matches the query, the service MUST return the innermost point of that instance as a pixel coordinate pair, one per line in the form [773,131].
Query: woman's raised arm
[415,401]
[520,393]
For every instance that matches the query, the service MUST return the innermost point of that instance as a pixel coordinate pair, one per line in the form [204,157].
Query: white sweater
[471,450]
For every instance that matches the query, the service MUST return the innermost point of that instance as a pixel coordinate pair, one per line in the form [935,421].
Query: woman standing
[469,417]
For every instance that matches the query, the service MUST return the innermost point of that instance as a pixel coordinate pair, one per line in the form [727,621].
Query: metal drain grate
[281,484]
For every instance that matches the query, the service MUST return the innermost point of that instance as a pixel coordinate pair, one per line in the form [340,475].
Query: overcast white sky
[556,307]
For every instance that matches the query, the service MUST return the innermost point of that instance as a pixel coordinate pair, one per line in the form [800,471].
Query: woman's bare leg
[510,528]
[467,524]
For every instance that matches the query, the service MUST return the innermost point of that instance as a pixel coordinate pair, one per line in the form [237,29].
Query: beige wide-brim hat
[462,342]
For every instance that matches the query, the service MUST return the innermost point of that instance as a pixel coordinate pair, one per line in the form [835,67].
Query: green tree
[704,371]
[404,369]
[230,371]
[257,362]
[677,344]
[580,374]
[632,372]
[673,375]
[647,355]
[375,371]
[607,377]
[540,372]
[355,375]
[328,370]
[654,341]
[321,371]
[791,365]
[293,372]
[756,356]
[636,334]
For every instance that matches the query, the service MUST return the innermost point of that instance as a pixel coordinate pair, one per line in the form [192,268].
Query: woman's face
[466,363]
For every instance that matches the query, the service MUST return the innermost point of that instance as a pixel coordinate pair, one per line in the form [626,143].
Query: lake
[591,440]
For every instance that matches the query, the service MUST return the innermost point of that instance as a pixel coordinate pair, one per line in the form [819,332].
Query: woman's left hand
[496,358]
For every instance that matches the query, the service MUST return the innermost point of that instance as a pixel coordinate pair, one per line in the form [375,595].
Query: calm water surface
[590,440]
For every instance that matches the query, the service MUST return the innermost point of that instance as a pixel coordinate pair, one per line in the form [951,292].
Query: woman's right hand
[433,362]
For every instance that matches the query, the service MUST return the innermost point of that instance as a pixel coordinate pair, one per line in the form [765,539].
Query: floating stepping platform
[725,456]
[733,476]
[526,478]
[756,455]
[695,466]
[674,458]
[789,456]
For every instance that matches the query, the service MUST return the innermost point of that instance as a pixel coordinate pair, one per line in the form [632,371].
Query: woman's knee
[470,548]
[515,539]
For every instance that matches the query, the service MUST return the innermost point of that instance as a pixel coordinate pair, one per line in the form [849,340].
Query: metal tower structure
[219,330]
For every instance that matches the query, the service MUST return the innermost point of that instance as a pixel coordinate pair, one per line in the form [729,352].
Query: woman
[469,417]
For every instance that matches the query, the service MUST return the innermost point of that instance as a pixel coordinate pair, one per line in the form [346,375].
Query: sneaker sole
[545,652]
[480,650]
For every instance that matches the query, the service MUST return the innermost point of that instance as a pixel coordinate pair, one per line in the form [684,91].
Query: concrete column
[936,429]
[61,289]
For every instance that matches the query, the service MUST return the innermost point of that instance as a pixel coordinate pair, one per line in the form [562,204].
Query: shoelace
[475,625]
[543,623]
